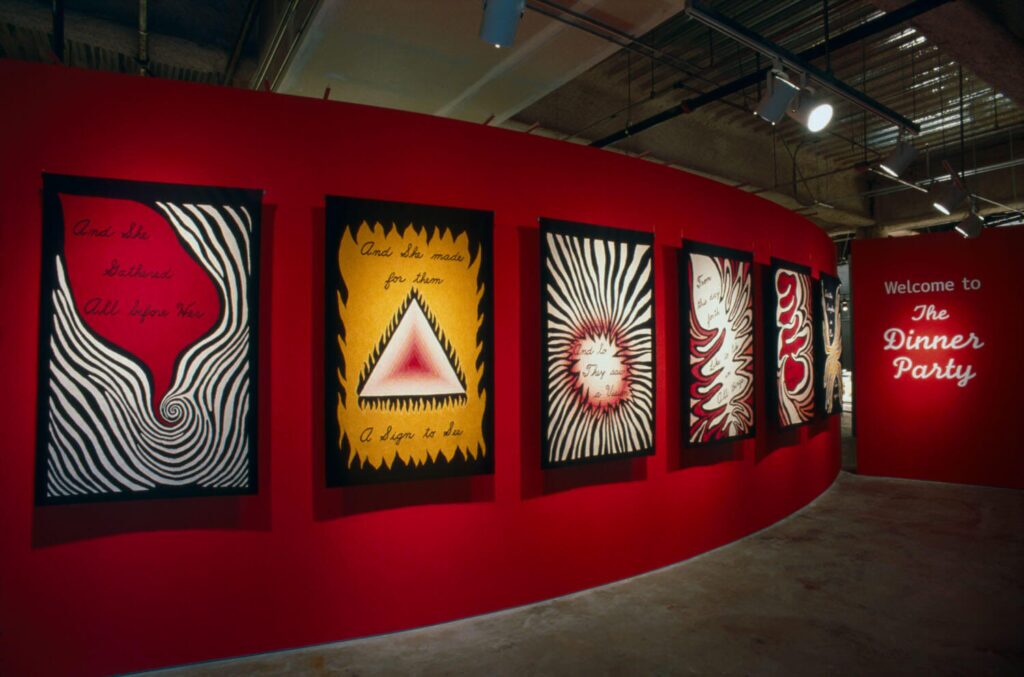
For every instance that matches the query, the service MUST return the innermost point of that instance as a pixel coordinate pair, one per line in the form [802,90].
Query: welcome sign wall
[147,374]
[408,335]
[937,338]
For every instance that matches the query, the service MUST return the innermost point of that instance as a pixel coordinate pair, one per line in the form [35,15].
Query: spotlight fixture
[500,21]
[779,93]
[844,306]
[952,198]
[811,111]
[971,226]
[898,159]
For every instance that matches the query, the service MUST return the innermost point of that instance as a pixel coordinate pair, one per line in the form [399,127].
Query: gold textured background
[370,309]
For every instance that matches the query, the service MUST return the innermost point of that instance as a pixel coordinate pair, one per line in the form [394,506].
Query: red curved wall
[126,586]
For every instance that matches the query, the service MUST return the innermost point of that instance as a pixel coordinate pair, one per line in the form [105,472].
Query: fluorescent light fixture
[778,94]
[500,21]
[971,226]
[899,159]
[811,111]
[952,198]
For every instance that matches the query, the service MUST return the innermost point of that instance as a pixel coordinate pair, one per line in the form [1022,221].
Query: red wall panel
[940,409]
[126,586]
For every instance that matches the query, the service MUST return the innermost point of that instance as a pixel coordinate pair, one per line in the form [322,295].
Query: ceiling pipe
[850,37]
[143,38]
[920,186]
[243,36]
[609,33]
[58,30]
[296,37]
[997,204]
[898,180]
[261,71]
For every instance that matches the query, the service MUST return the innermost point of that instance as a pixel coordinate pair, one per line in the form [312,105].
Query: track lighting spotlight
[971,226]
[951,199]
[779,92]
[898,159]
[500,21]
[811,111]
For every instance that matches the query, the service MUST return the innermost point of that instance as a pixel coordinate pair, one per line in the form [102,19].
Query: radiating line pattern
[103,437]
[599,353]
[832,341]
[795,349]
[721,349]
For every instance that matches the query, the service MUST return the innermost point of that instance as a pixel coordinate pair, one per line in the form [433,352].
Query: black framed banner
[409,383]
[148,327]
[716,293]
[829,345]
[789,335]
[597,343]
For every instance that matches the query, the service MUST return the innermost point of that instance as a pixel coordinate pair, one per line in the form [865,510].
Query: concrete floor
[877,576]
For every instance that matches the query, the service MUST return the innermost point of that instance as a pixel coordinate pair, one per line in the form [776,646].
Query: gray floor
[877,576]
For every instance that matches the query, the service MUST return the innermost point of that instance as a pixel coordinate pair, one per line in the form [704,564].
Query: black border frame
[343,213]
[147,193]
[685,373]
[771,340]
[586,230]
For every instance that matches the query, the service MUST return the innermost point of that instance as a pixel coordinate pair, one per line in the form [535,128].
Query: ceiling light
[500,21]
[952,198]
[811,111]
[971,226]
[778,94]
[898,159]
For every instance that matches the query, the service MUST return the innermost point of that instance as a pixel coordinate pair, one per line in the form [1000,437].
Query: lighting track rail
[758,43]
[850,37]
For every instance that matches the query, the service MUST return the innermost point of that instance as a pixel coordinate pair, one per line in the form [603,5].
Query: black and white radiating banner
[598,342]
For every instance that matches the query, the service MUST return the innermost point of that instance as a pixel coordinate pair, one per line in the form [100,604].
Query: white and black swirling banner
[148,321]
[716,293]
[597,343]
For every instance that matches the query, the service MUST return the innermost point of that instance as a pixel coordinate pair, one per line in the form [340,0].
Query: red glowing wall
[938,334]
[116,587]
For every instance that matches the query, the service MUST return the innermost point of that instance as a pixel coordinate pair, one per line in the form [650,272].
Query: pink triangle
[413,364]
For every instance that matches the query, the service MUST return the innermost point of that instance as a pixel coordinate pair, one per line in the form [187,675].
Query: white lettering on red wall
[924,336]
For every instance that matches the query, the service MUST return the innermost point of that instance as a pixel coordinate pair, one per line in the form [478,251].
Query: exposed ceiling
[426,56]
[586,70]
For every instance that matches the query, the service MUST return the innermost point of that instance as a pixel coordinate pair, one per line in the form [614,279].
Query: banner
[597,342]
[829,345]
[409,373]
[147,374]
[717,311]
[790,338]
